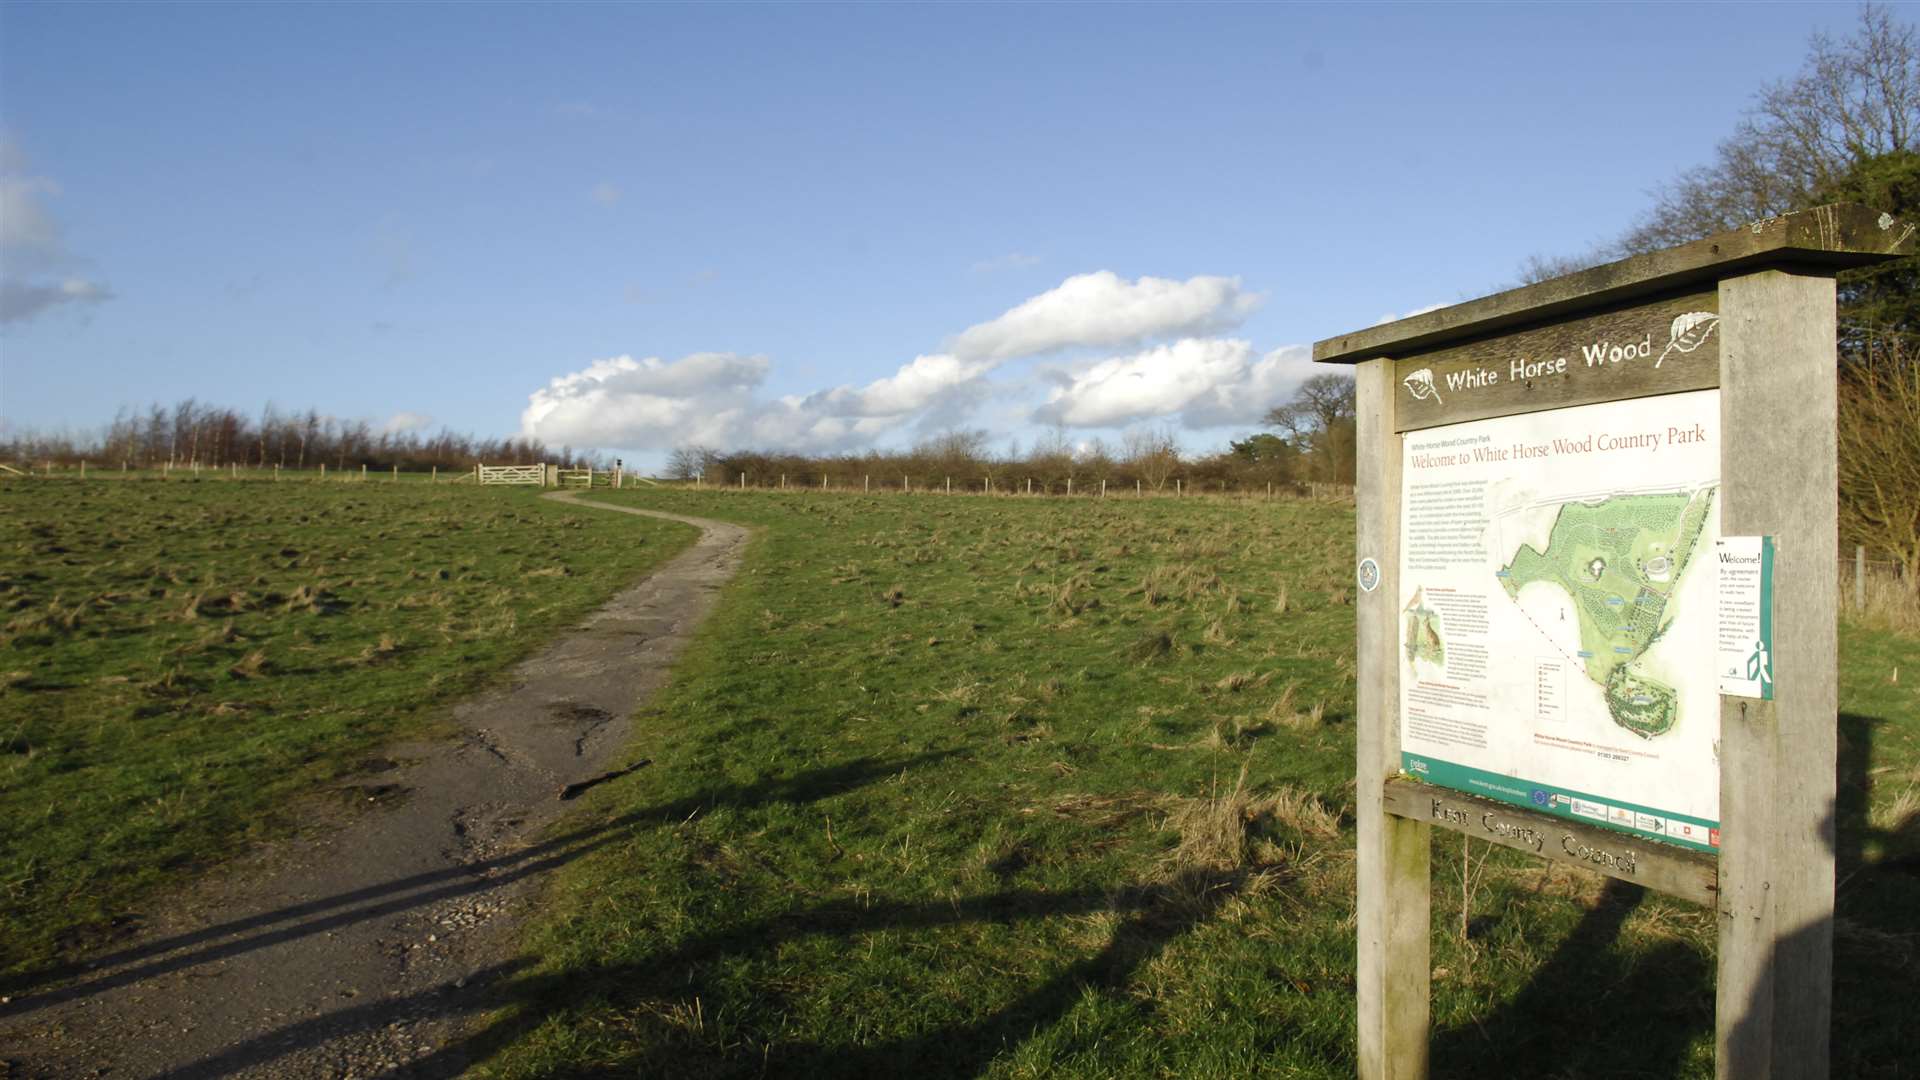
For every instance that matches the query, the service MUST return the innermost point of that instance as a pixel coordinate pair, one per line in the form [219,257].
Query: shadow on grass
[1876,930]
[267,929]
[1151,917]
[1595,1010]
[1591,1009]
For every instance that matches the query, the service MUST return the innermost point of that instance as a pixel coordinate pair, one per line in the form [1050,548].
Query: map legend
[1550,690]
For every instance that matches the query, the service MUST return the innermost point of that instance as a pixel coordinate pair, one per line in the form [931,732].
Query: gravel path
[365,951]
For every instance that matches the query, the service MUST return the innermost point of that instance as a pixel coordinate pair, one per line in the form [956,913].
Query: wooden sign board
[1542,479]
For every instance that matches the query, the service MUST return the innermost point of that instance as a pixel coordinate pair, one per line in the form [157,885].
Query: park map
[1620,560]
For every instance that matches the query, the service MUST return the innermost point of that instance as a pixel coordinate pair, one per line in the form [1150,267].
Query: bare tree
[1853,100]
[688,462]
[1319,424]
[1152,453]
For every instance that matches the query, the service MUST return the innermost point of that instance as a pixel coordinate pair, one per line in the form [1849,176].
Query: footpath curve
[367,950]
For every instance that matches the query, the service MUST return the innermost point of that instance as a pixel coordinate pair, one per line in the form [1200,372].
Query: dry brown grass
[1889,605]
[1219,831]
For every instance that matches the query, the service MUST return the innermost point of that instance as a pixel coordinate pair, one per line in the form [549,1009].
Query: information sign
[1745,602]
[1557,612]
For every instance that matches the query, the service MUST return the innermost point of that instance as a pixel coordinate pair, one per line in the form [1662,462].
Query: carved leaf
[1689,332]
[1420,385]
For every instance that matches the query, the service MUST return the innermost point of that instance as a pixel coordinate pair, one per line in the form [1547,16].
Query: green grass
[954,787]
[180,657]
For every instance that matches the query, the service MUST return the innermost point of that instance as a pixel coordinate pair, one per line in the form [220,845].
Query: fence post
[1029,485]
[432,478]
[949,485]
[1176,487]
[1136,485]
[903,484]
[743,481]
[1069,485]
[1103,487]
[866,483]
[1859,577]
[83,468]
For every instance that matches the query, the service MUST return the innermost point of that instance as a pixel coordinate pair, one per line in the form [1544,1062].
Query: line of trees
[1149,458]
[191,433]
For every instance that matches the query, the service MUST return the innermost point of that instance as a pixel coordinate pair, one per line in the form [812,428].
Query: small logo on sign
[1540,798]
[1420,385]
[1369,575]
[1689,332]
[1760,665]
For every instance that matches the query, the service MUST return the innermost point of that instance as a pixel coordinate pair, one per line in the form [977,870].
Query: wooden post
[1778,477]
[1103,487]
[1176,487]
[83,468]
[1136,486]
[323,470]
[432,477]
[1029,485]
[1069,485]
[903,484]
[396,474]
[1393,882]
[949,485]
[866,483]
[743,481]
[1859,577]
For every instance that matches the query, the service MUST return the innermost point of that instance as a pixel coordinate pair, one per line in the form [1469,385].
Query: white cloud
[30,238]
[1103,309]
[606,194]
[33,247]
[401,422]
[1391,317]
[716,399]
[1204,382]
[649,403]
[20,300]
[711,399]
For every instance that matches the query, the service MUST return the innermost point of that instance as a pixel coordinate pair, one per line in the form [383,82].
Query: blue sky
[822,227]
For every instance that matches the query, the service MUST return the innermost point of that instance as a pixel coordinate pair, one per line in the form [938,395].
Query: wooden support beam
[1394,853]
[1778,478]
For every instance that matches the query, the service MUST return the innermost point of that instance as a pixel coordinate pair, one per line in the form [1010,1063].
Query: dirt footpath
[365,951]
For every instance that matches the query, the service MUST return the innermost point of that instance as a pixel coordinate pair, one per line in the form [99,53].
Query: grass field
[180,657]
[949,786]
[1010,787]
